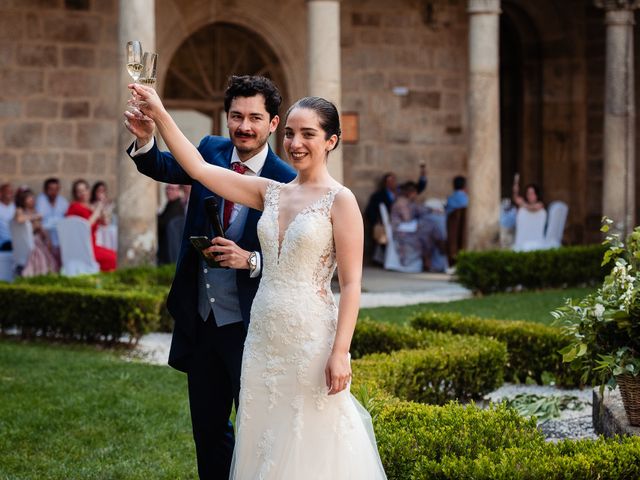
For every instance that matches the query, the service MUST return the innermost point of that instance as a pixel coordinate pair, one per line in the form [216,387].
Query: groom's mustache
[243,134]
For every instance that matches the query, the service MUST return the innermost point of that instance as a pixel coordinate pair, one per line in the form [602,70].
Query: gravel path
[572,424]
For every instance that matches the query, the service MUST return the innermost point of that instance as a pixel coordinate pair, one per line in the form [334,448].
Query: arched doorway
[520,99]
[198,71]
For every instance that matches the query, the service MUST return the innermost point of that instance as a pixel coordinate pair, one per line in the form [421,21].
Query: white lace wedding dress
[288,428]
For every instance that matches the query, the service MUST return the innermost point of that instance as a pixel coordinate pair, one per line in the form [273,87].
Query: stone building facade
[403,70]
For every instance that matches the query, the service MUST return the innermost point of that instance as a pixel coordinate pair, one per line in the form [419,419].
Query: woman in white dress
[296,418]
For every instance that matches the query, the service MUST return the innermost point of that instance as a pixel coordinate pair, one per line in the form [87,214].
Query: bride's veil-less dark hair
[327,113]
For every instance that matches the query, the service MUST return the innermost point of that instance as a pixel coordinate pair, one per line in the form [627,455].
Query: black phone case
[200,244]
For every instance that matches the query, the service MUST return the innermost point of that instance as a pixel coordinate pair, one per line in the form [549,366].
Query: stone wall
[58,101]
[421,46]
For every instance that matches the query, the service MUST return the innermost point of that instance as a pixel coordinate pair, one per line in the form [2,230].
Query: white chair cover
[529,230]
[555,225]
[6,266]
[107,236]
[391,258]
[76,251]
[22,242]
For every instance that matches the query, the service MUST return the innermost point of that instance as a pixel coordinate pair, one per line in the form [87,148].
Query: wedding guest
[42,259]
[99,194]
[415,234]
[52,206]
[7,212]
[81,207]
[166,239]
[532,199]
[459,198]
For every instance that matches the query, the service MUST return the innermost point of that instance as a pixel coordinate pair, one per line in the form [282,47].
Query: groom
[211,306]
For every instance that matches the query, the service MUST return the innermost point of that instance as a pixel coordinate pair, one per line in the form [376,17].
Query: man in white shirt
[52,206]
[7,212]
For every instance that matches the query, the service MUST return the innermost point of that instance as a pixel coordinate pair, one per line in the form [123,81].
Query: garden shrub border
[499,270]
[533,349]
[80,314]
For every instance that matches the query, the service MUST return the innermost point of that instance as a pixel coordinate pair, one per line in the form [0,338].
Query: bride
[296,418]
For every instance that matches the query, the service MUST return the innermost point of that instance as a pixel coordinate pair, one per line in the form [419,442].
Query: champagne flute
[134,59]
[149,64]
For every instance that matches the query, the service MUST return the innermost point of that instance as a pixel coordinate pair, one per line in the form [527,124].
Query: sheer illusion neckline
[282,233]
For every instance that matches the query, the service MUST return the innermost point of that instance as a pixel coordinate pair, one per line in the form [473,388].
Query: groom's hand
[228,254]
[141,126]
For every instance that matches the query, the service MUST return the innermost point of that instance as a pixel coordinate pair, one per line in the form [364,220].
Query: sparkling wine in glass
[149,64]
[134,59]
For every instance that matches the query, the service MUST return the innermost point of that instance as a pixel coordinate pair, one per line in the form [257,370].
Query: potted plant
[603,329]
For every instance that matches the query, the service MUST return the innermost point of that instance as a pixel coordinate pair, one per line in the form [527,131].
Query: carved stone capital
[483,6]
[617,4]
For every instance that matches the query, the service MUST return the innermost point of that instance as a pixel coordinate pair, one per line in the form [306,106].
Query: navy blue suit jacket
[182,302]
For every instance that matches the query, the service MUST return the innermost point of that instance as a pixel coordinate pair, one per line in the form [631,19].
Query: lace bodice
[304,253]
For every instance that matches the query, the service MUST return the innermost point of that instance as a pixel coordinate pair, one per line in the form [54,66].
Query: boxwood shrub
[449,367]
[532,348]
[498,270]
[464,442]
[78,313]
[151,280]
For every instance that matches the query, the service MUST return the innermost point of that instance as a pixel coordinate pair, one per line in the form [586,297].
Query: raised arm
[348,237]
[241,189]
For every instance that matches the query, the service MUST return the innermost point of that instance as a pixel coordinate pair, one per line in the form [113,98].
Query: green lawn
[69,412]
[531,306]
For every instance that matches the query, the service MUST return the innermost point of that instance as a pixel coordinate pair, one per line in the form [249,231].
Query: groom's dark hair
[250,86]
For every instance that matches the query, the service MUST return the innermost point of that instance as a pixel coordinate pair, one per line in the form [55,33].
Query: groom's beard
[248,142]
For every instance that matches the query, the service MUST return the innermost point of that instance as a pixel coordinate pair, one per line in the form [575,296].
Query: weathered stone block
[8,164]
[37,4]
[17,83]
[108,58]
[422,99]
[11,25]
[373,81]
[422,80]
[37,56]
[60,135]
[42,108]
[76,28]
[106,109]
[99,165]
[365,19]
[105,6]
[10,109]
[95,135]
[72,84]
[6,54]
[78,57]
[76,162]
[39,163]
[23,134]
[34,26]
[75,109]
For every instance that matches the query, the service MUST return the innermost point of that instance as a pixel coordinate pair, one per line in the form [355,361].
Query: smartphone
[201,243]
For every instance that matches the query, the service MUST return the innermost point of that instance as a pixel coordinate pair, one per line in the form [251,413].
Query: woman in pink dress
[81,207]
[42,259]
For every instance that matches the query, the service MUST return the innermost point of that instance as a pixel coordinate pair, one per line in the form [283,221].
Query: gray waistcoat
[217,286]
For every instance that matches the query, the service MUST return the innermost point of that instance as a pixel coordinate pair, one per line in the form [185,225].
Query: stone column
[618,190]
[323,54]
[137,194]
[484,125]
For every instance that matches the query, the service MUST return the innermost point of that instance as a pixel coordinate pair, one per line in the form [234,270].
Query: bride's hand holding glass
[147,100]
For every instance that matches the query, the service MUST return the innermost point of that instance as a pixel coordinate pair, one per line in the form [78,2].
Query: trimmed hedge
[450,367]
[425,442]
[532,348]
[151,280]
[75,313]
[499,270]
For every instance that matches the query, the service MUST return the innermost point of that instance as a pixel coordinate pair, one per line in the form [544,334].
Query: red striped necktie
[237,167]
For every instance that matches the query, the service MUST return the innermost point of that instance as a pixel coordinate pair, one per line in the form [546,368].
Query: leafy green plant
[603,329]
[543,407]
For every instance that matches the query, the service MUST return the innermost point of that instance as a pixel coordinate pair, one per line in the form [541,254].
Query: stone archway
[198,71]
[520,99]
